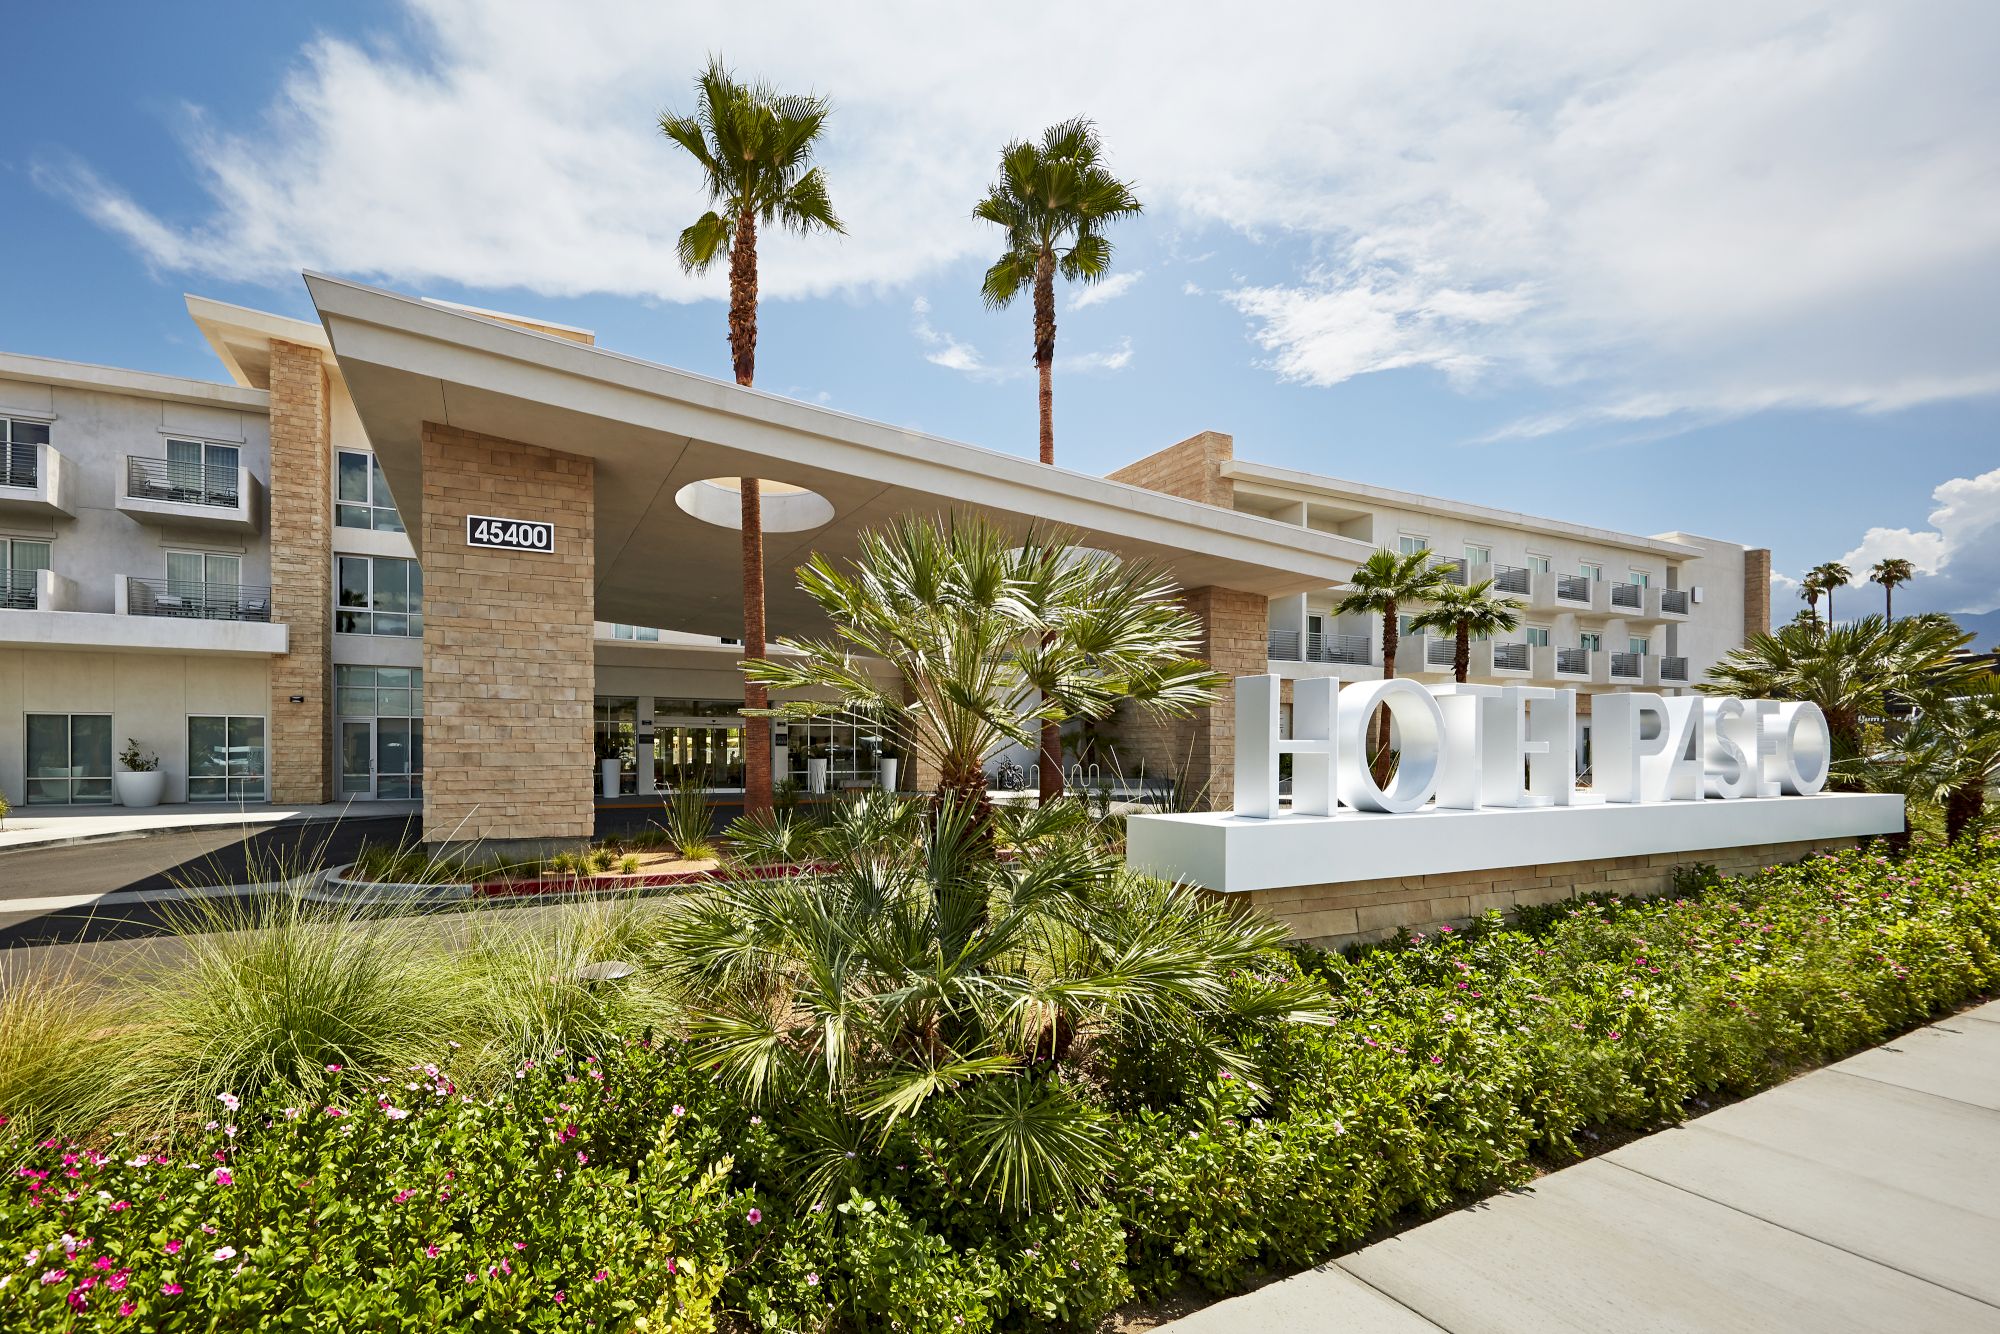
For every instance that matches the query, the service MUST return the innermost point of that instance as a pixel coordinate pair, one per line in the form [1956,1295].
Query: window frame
[1423,543]
[236,786]
[31,784]
[8,421]
[1592,570]
[1486,550]
[412,614]
[378,502]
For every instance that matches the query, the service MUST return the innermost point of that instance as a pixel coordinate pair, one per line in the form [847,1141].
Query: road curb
[126,835]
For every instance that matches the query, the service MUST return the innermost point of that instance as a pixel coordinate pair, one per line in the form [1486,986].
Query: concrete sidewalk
[56,826]
[1863,1197]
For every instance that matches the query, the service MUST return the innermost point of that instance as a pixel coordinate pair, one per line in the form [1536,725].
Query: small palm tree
[1468,613]
[755,147]
[1831,575]
[1950,754]
[989,636]
[1890,572]
[1383,585]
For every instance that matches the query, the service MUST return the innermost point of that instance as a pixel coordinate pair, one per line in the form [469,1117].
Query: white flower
[394,1113]
[225,1253]
[229,1100]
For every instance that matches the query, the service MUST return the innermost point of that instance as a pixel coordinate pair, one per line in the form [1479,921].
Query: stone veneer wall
[1756,592]
[301,528]
[1191,470]
[1356,911]
[1201,750]
[509,665]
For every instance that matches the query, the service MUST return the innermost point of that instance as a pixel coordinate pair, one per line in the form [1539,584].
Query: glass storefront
[380,726]
[851,746]
[616,733]
[225,758]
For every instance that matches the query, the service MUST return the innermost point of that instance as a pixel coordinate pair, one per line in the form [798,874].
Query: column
[301,525]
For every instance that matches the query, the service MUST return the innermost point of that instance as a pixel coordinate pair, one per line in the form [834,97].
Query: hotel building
[280,586]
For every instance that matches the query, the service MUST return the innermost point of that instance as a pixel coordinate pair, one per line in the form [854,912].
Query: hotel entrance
[669,742]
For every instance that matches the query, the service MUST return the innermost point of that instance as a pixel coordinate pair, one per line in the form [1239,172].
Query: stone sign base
[1360,911]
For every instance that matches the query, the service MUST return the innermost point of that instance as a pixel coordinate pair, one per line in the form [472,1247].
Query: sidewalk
[1861,1197]
[54,826]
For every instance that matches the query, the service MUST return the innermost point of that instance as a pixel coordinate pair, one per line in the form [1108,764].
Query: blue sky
[1734,273]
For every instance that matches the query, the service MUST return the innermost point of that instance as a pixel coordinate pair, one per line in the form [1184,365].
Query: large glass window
[1537,636]
[226,759]
[19,562]
[1478,555]
[616,728]
[381,731]
[69,759]
[645,634]
[197,468]
[698,741]
[379,595]
[19,459]
[362,494]
[1411,543]
[851,746]
[1639,644]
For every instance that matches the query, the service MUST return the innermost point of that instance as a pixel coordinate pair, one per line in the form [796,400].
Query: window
[1638,644]
[1536,635]
[1641,578]
[196,468]
[1409,544]
[69,759]
[380,727]
[644,634]
[225,758]
[1315,625]
[20,561]
[1590,569]
[1477,555]
[1406,625]
[1591,641]
[363,495]
[204,576]
[1539,564]
[19,459]
[379,595]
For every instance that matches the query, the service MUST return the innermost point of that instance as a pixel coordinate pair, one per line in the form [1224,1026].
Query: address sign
[486,530]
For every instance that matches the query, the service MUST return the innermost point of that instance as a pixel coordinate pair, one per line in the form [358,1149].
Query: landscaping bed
[618,1183]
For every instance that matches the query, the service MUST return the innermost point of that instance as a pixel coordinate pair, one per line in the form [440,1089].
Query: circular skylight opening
[787,508]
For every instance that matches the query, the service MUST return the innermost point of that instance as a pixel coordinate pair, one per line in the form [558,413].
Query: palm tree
[1811,590]
[1469,613]
[755,148]
[1831,575]
[1889,572]
[989,636]
[1853,672]
[1052,200]
[1383,585]
[1950,753]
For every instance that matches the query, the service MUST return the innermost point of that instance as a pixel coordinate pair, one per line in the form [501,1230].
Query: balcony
[1673,671]
[1513,579]
[1455,572]
[195,601]
[36,590]
[1562,664]
[1577,593]
[34,480]
[1353,649]
[1673,603]
[1440,655]
[1501,658]
[41,609]
[174,495]
[1628,669]
[1628,599]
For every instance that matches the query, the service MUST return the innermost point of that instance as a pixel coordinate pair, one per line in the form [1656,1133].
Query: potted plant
[890,762]
[609,765]
[142,783]
[818,761]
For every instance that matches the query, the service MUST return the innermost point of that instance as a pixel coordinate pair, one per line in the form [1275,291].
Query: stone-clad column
[1200,751]
[1756,591]
[301,526]
[509,669]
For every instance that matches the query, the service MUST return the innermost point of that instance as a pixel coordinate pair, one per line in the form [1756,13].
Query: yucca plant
[687,821]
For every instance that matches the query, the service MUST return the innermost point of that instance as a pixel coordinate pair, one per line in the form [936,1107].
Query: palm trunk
[1050,765]
[1962,808]
[1378,741]
[1888,602]
[743,348]
[1461,654]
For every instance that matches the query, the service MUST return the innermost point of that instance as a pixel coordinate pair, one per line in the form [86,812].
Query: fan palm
[1853,672]
[1950,753]
[1890,572]
[1811,590]
[1831,575]
[1383,585]
[918,979]
[988,636]
[755,147]
[1468,613]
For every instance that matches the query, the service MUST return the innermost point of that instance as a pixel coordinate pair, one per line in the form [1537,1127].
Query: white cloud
[1957,557]
[1662,212]
[1104,289]
[1113,359]
[945,350]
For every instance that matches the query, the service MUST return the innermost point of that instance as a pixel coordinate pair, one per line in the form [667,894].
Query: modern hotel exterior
[219,572]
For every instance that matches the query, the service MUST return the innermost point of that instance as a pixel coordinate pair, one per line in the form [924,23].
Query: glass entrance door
[707,753]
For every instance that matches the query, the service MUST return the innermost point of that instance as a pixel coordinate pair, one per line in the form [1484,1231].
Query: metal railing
[1627,666]
[1453,571]
[1673,669]
[17,590]
[1573,587]
[1674,601]
[1573,661]
[180,483]
[1510,657]
[20,465]
[198,601]
[1510,578]
[1628,595]
[1284,647]
[1440,652]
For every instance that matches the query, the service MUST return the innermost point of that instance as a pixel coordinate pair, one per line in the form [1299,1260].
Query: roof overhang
[652,429]
[242,337]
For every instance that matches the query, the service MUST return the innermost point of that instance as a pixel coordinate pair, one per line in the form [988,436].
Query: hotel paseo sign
[1487,778]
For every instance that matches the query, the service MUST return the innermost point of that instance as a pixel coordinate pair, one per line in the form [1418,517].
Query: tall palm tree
[1889,572]
[1383,585]
[1831,575]
[1052,200]
[1468,613]
[990,635]
[1811,590]
[755,147]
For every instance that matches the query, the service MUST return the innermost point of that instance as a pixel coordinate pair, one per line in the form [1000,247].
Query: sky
[1731,269]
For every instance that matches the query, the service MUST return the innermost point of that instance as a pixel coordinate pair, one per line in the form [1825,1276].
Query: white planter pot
[888,772]
[608,775]
[816,776]
[136,790]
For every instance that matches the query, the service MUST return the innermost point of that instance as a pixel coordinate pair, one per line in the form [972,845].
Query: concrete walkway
[1861,1197]
[54,826]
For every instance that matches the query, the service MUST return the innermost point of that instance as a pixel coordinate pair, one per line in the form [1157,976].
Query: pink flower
[582,1157]
[1614,1035]
[224,1253]
[1437,1060]
[812,1280]
[394,1113]
[561,1296]
[431,1251]
[755,1216]
[126,1309]
[333,1069]
[600,1276]
[680,1110]
[228,1100]
[172,1248]
[170,1289]
[120,1206]
[222,1177]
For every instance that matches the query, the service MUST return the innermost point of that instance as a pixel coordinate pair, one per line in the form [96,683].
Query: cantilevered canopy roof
[654,430]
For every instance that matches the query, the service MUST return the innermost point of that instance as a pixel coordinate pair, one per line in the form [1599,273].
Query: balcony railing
[1632,596]
[1627,666]
[1453,571]
[1573,661]
[1673,669]
[1440,652]
[17,590]
[1674,601]
[198,601]
[1284,647]
[1510,578]
[1573,588]
[180,483]
[20,465]
[1510,657]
